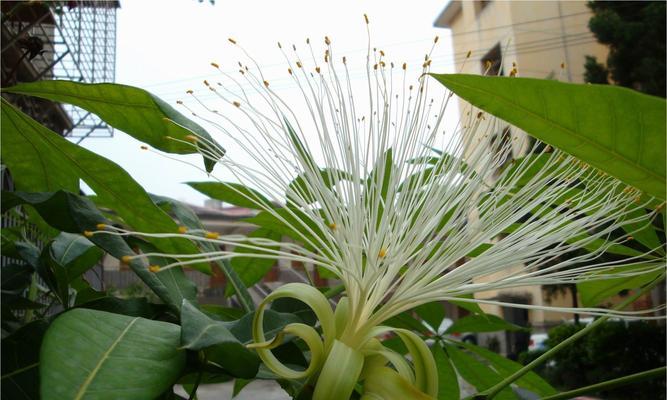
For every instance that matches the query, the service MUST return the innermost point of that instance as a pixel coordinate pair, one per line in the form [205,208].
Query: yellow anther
[126,259]
[562,65]
[327,41]
[206,82]
[366,18]
[382,64]
[154,268]
[436,39]
[237,104]
[317,69]
[87,233]
[191,138]
[189,91]
[629,238]
[182,229]
[289,70]
[298,64]
[381,53]
[101,226]
[215,65]
[232,41]
[333,226]
[266,83]
[513,72]
[382,253]
[212,235]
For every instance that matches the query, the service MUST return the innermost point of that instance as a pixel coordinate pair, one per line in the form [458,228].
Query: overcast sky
[166,47]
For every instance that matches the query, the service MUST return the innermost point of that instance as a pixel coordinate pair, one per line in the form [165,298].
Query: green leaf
[232,193]
[448,383]
[596,290]
[250,269]
[200,332]
[132,307]
[617,130]
[432,313]
[475,373]
[36,157]
[15,277]
[329,178]
[75,253]
[71,213]
[506,367]
[132,110]
[89,354]
[467,305]
[482,323]
[189,219]
[20,362]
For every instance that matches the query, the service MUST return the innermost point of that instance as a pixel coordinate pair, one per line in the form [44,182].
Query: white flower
[394,221]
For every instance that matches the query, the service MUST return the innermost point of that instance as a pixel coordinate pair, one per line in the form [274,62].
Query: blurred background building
[536,39]
[548,40]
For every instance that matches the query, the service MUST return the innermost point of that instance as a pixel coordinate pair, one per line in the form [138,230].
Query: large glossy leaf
[448,383]
[595,291]
[617,130]
[75,253]
[482,323]
[476,373]
[432,313]
[71,213]
[20,362]
[506,367]
[232,193]
[200,332]
[89,354]
[35,156]
[130,109]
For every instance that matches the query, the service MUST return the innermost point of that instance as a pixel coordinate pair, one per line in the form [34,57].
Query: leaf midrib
[105,356]
[560,127]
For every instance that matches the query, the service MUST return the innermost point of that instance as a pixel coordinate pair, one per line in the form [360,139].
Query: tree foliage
[635,34]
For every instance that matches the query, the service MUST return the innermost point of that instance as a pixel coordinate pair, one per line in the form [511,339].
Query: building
[537,39]
[71,40]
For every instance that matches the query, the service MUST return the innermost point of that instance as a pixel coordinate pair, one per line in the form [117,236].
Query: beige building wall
[541,39]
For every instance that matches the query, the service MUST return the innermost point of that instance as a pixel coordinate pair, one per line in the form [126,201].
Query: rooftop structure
[73,40]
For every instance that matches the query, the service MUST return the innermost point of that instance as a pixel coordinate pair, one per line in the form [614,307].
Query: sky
[166,47]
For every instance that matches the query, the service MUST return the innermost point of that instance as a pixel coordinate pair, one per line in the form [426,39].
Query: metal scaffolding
[73,40]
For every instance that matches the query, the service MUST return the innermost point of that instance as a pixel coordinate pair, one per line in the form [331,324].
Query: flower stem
[494,390]
[612,383]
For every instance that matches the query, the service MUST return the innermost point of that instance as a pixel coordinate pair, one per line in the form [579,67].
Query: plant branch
[612,383]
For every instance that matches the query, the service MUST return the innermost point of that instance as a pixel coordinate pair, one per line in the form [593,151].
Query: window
[492,62]
[480,5]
